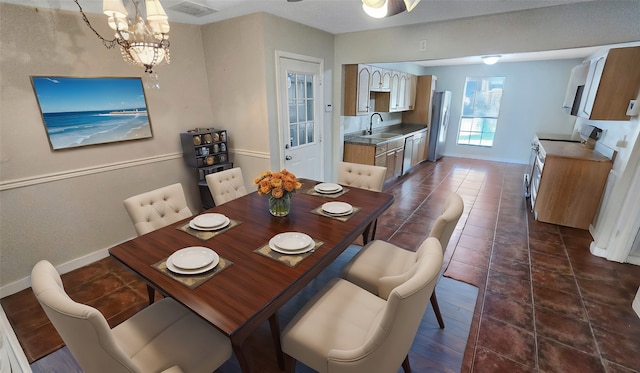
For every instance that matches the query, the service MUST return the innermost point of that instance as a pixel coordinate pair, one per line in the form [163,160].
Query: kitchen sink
[383,135]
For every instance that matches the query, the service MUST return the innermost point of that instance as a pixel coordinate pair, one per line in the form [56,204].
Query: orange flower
[277,184]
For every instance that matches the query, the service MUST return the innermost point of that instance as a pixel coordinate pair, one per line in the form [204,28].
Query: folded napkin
[343,218]
[192,281]
[205,235]
[292,260]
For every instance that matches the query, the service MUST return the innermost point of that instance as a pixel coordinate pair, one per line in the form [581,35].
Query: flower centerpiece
[279,186]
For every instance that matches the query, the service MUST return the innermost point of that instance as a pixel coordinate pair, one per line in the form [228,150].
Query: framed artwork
[88,111]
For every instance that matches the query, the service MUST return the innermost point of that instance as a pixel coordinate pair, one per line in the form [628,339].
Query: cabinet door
[364,81]
[395,91]
[386,80]
[415,151]
[399,159]
[391,164]
[591,87]
[402,91]
[410,92]
[376,78]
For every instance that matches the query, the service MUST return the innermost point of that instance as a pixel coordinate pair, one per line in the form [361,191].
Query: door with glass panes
[299,97]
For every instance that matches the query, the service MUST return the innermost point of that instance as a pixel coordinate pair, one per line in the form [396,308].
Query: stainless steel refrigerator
[439,123]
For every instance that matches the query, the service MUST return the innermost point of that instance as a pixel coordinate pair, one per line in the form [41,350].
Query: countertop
[402,129]
[563,149]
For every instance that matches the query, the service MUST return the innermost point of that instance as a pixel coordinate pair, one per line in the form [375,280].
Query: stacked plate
[193,260]
[209,222]
[328,188]
[291,243]
[337,208]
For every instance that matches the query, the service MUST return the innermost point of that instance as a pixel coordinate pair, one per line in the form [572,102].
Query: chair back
[82,328]
[447,221]
[361,175]
[226,185]
[157,208]
[391,340]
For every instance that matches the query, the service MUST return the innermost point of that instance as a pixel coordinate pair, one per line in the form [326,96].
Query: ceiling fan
[387,8]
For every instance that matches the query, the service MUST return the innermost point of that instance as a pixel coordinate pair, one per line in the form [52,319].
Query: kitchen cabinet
[612,81]
[380,80]
[357,90]
[421,114]
[577,80]
[570,181]
[418,152]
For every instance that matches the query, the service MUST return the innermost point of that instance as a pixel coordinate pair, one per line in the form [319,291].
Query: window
[480,110]
[301,101]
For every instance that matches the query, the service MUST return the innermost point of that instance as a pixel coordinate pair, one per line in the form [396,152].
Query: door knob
[288,157]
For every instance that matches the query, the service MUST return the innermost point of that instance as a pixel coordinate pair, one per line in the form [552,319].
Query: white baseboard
[24,283]
[636,303]
[13,358]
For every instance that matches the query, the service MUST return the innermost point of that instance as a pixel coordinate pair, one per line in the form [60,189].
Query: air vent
[193,9]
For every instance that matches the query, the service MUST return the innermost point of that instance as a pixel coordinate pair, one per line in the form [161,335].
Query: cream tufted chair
[156,209]
[365,177]
[164,337]
[379,264]
[345,328]
[361,175]
[226,185]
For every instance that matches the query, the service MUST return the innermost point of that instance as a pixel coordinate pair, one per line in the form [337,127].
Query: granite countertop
[402,129]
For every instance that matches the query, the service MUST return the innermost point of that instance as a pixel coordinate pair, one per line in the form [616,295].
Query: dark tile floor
[545,304]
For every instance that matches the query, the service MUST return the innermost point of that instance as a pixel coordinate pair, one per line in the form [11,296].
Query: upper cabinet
[368,89]
[357,81]
[612,81]
[380,79]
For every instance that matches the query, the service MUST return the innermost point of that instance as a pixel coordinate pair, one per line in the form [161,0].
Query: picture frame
[78,112]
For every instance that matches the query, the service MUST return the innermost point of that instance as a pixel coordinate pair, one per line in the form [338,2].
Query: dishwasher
[408,151]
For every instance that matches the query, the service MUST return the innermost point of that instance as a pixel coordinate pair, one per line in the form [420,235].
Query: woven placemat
[320,211]
[205,235]
[192,281]
[290,260]
[312,191]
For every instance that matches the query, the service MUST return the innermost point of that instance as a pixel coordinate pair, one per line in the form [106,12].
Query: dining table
[251,281]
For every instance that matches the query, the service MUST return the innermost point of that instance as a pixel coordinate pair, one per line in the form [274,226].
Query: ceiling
[338,16]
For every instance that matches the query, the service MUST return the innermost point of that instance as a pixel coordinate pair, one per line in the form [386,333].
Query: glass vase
[280,206]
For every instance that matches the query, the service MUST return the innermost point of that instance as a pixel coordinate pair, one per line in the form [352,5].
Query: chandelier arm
[107,43]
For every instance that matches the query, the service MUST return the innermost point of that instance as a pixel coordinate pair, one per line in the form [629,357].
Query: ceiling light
[490,60]
[387,8]
[143,42]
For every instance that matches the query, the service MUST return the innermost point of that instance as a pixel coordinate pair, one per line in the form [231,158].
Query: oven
[535,145]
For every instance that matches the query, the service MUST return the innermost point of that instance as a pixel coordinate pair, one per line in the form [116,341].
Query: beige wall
[240,56]
[65,205]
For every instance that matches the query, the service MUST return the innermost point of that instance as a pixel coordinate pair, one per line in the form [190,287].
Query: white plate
[337,208]
[327,188]
[193,257]
[172,267]
[210,220]
[291,241]
[193,226]
[292,252]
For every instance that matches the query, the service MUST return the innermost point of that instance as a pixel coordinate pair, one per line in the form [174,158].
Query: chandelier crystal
[143,42]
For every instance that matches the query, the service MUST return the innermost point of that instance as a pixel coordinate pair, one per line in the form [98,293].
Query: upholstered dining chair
[163,337]
[345,328]
[361,175]
[366,177]
[226,185]
[379,263]
[156,209]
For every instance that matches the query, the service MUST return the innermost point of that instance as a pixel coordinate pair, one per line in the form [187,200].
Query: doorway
[300,115]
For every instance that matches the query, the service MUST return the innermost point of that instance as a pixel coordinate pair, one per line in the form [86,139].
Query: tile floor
[545,304]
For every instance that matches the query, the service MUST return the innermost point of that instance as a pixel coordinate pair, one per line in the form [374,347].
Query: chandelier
[143,42]
[387,8]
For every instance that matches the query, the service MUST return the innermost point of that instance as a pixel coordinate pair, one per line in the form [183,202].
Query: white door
[300,115]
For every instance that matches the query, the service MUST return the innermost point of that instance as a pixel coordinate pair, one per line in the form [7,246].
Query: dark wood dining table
[251,289]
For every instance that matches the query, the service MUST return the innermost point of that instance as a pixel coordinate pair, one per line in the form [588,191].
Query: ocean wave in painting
[72,129]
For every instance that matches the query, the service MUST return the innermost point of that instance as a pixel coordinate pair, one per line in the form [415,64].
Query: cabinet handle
[288,157]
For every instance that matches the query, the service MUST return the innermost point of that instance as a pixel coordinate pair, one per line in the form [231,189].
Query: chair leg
[289,364]
[436,309]
[152,294]
[405,365]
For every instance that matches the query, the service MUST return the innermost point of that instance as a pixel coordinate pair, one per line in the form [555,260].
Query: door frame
[319,104]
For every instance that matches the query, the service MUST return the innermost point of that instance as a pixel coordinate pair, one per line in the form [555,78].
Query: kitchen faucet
[371,122]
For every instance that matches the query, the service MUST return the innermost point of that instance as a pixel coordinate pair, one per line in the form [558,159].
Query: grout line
[533,304]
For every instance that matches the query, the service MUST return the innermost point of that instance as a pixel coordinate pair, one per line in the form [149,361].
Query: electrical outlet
[423,45]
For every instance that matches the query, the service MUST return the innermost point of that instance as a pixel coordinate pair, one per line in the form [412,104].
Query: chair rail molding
[46,178]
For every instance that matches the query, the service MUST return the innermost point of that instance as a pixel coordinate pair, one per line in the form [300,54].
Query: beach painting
[88,111]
